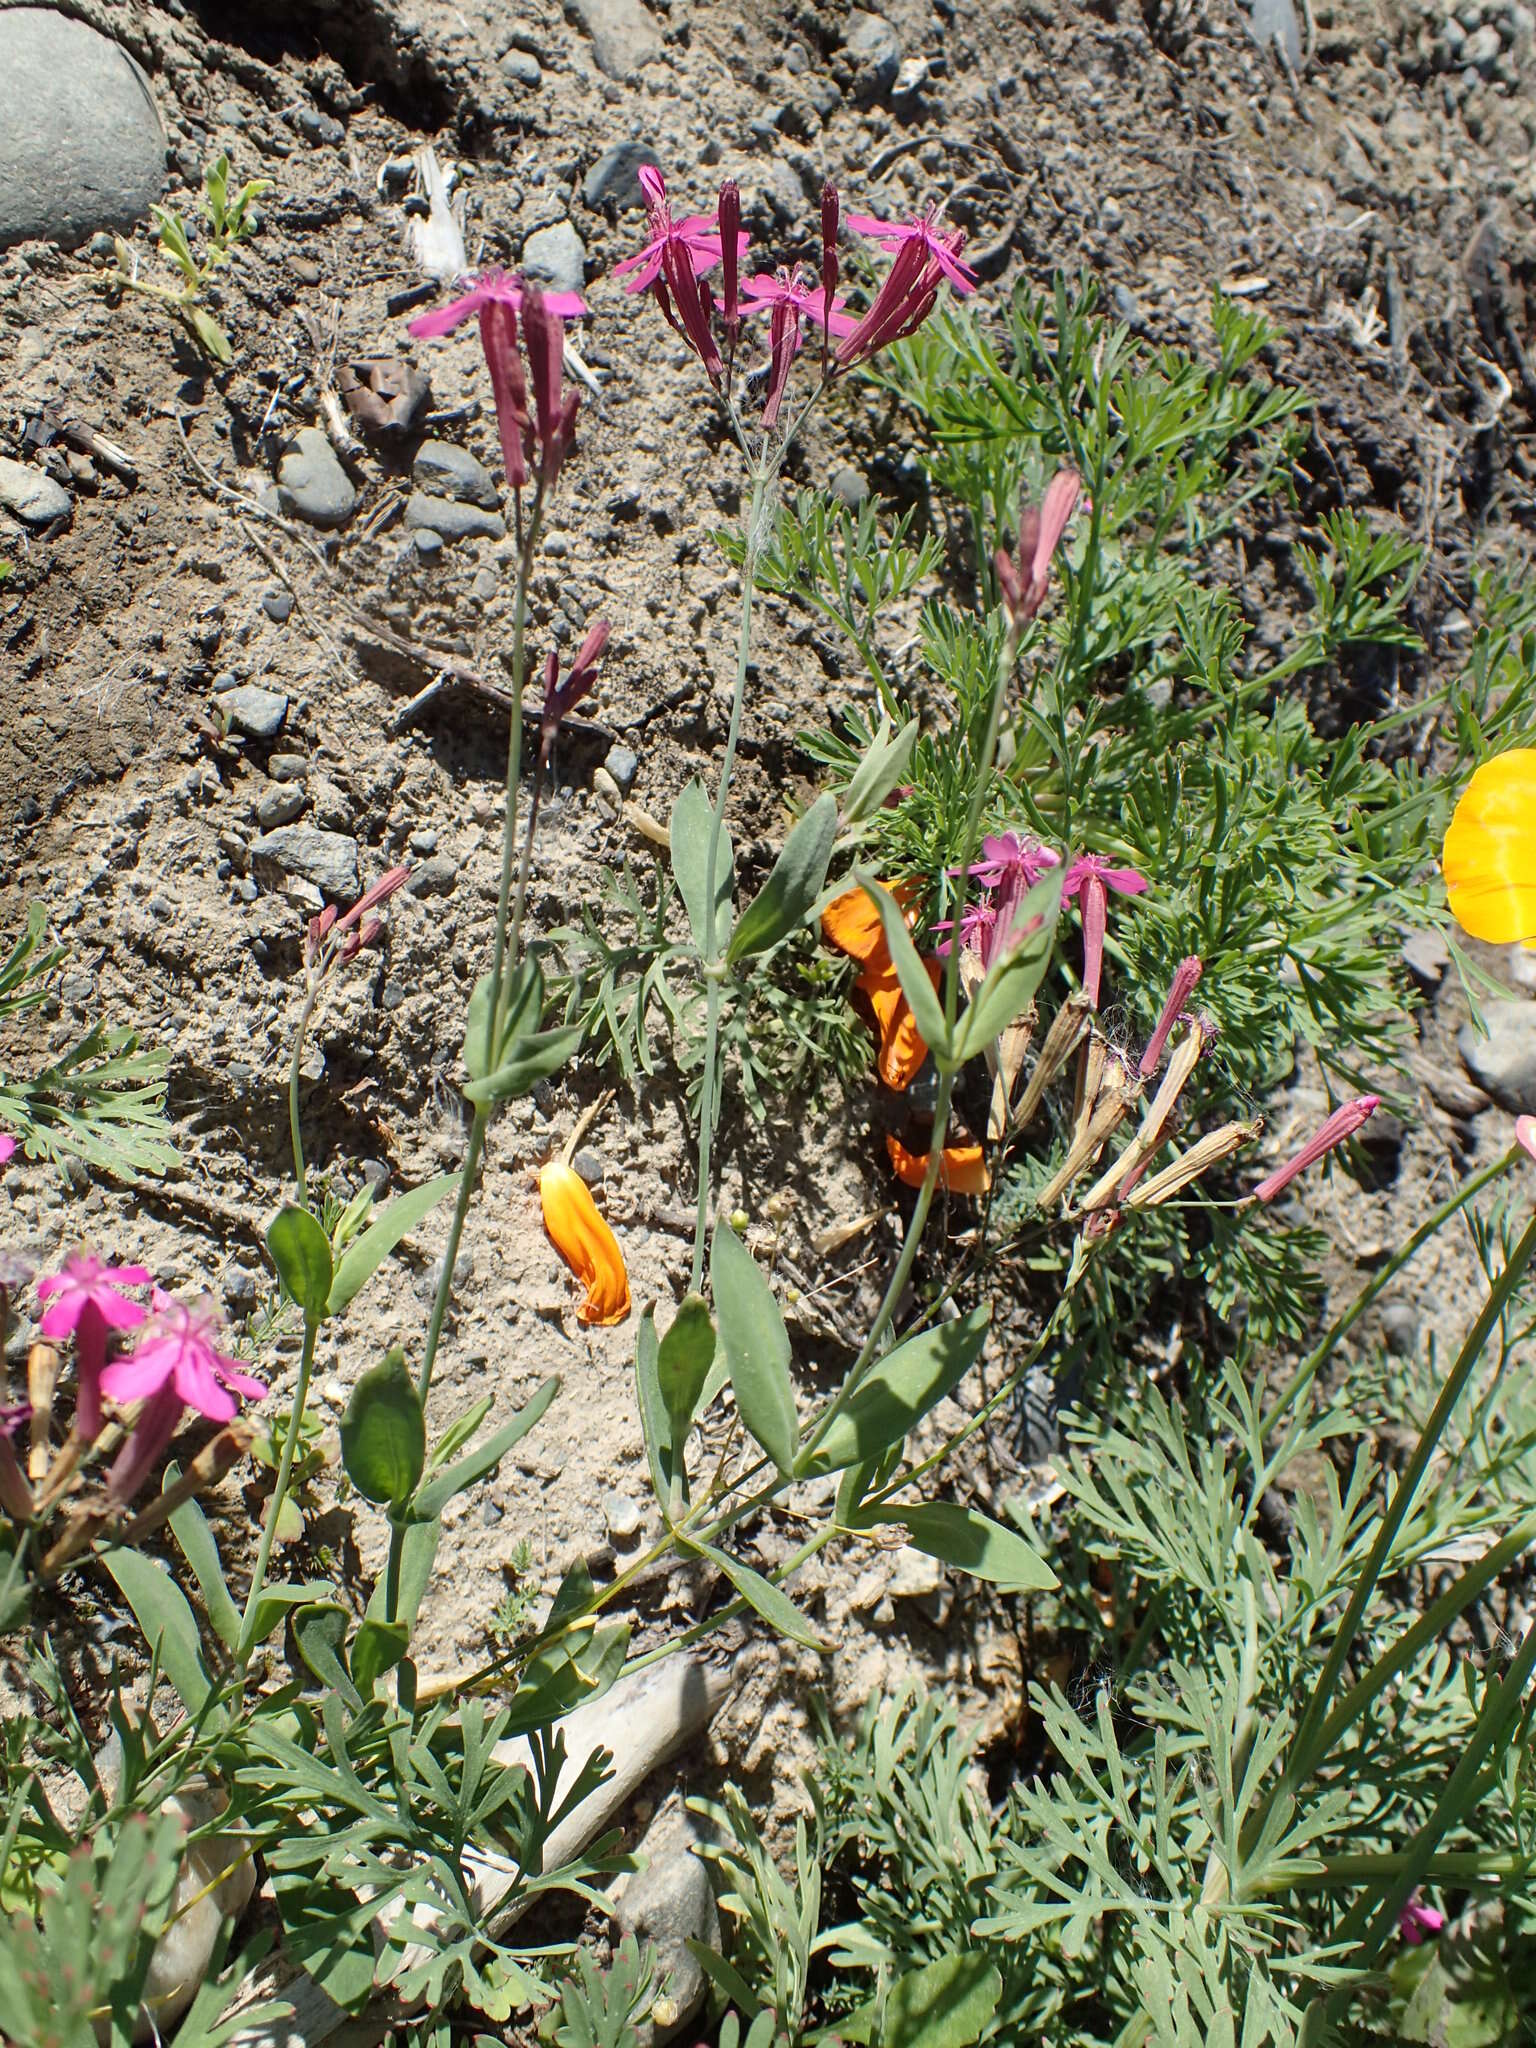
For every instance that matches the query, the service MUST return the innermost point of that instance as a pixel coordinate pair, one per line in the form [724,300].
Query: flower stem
[279,1495]
[294,1132]
[709,1086]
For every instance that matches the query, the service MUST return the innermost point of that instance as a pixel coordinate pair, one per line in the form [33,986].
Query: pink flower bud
[1417,1922]
[1184,981]
[1343,1124]
[728,219]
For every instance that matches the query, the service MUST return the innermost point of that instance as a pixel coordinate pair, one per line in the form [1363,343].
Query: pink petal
[138,1375]
[443,319]
[1125,880]
[60,1320]
[1525,1133]
[7,1146]
[229,1373]
[199,1389]
[866,224]
[653,185]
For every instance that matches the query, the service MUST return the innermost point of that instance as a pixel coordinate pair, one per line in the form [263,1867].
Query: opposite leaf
[360,1260]
[755,1345]
[301,1252]
[383,1433]
[689,830]
[785,899]
[899,1392]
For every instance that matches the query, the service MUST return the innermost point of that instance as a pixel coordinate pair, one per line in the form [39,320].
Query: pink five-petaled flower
[493,288]
[1023,583]
[1089,878]
[1344,1122]
[352,929]
[85,1302]
[1417,1922]
[910,288]
[1008,869]
[177,1350]
[788,288]
[1525,1133]
[1185,978]
[559,698]
[942,250]
[673,261]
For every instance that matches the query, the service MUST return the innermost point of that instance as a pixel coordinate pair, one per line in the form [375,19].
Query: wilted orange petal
[902,1046]
[852,923]
[962,1169]
[583,1239]
[1489,857]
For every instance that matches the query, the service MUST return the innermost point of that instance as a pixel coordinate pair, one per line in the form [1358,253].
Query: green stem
[279,1495]
[451,1252]
[294,1132]
[710,951]
[392,1569]
[1306,1750]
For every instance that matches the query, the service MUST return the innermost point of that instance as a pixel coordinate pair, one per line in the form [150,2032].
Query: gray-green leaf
[782,903]
[972,1542]
[689,830]
[899,1392]
[360,1260]
[383,1433]
[756,1346]
[927,1009]
[301,1252]
[882,767]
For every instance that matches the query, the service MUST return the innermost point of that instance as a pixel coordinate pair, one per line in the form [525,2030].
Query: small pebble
[623,764]
[520,67]
[429,545]
[277,603]
[287,767]
[622,1516]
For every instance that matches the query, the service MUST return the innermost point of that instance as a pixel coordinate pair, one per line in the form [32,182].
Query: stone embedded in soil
[277,603]
[288,767]
[849,486]
[1274,21]
[623,764]
[279,804]
[556,258]
[622,1516]
[1426,957]
[256,712]
[1400,1327]
[82,145]
[445,470]
[521,66]
[435,877]
[448,521]
[31,494]
[615,177]
[871,43]
[327,859]
[666,1905]
[623,35]
[1504,1063]
[312,483]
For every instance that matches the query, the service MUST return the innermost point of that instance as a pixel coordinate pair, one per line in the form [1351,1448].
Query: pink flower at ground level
[492,288]
[922,234]
[1417,1922]
[1041,527]
[788,288]
[178,1350]
[698,240]
[1525,1133]
[1090,878]
[85,1302]
[7,1146]
[1344,1122]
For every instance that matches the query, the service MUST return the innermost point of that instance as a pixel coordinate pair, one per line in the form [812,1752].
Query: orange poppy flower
[582,1238]
[852,923]
[902,1046]
[962,1169]
[1489,856]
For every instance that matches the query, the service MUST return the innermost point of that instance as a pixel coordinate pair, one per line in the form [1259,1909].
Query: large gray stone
[623,35]
[82,145]
[871,43]
[328,859]
[30,493]
[312,482]
[556,258]
[615,177]
[451,521]
[445,470]
[256,712]
[668,1904]
[1504,1063]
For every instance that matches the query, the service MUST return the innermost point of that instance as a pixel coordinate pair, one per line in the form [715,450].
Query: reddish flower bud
[509,389]
[558,698]
[831,207]
[1344,1122]
[1184,981]
[728,220]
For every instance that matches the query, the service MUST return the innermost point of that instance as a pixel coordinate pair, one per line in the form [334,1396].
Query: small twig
[583,1124]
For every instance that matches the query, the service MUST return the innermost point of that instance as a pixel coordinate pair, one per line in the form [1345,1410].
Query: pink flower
[1089,878]
[696,242]
[86,1303]
[1416,1922]
[831,208]
[151,1433]
[555,419]
[1185,979]
[1040,530]
[7,1146]
[905,299]
[177,1350]
[788,288]
[923,235]
[1525,1133]
[732,243]
[1008,869]
[493,288]
[1343,1124]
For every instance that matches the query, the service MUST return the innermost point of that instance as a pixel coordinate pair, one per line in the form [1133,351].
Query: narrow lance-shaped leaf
[655,1422]
[689,830]
[362,1258]
[899,1392]
[755,1345]
[765,1598]
[686,1353]
[785,899]
[878,773]
[439,1490]
[970,1541]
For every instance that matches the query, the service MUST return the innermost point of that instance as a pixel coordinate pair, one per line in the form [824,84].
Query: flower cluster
[332,939]
[679,254]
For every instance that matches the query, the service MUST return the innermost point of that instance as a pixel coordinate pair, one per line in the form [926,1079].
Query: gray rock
[668,1904]
[906,88]
[435,877]
[279,804]
[1426,957]
[556,257]
[871,44]
[328,859]
[623,35]
[82,145]
[316,126]
[520,66]
[277,603]
[444,470]
[256,712]
[623,764]
[615,177]
[849,486]
[312,483]
[288,767]
[30,493]
[1400,1327]
[1504,1063]
[440,516]
[622,1516]
[1274,21]
[1482,49]
[429,545]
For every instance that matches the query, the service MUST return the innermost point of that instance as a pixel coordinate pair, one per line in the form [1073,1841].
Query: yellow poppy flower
[1489,857]
[582,1238]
